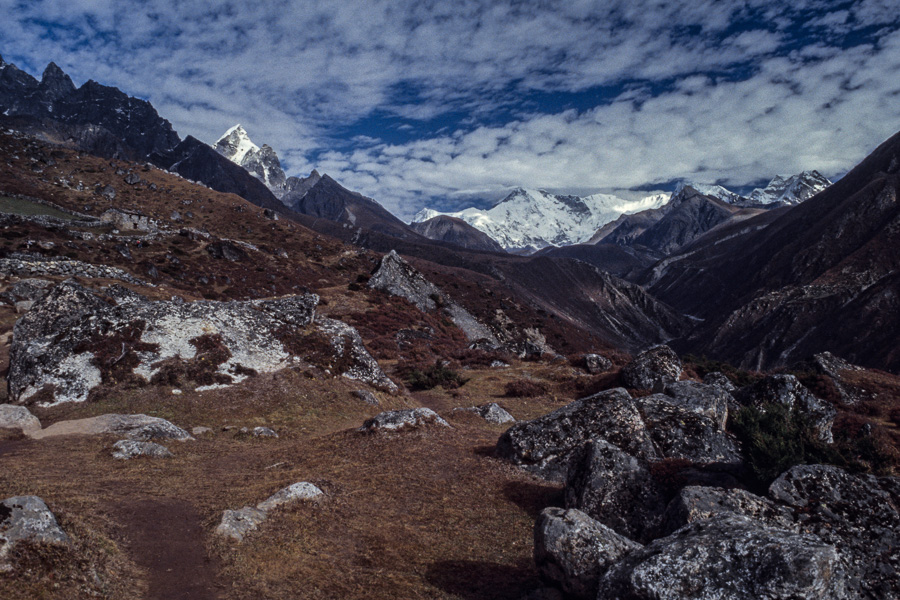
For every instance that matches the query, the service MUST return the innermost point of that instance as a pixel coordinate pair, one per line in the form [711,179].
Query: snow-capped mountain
[262,163]
[790,190]
[711,189]
[537,219]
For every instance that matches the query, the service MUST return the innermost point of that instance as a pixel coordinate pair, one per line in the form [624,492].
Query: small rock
[23,306]
[200,430]
[596,364]
[132,179]
[18,417]
[573,550]
[128,449]
[367,397]
[26,519]
[499,364]
[263,432]
[654,367]
[297,491]
[399,420]
[238,523]
[491,412]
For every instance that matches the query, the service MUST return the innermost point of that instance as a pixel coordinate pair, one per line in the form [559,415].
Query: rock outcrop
[75,339]
[135,427]
[26,519]
[789,392]
[657,366]
[236,524]
[683,431]
[403,420]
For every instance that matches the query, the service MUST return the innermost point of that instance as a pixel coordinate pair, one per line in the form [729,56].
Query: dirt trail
[164,537]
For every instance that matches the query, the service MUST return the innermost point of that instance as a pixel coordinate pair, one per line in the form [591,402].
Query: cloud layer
[412,101]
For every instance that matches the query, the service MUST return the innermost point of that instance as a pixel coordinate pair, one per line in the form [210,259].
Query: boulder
[401,420]
[857,513]
[18,417]
[128,449]
[695,503]
[652,368]
[223,250]
[26,519]
[572,550]
[729,556]
[347,345]
[835,367]
[27,290]
[596,364]
[720,380]
[616,489]
[263,432]
[367,397]
[545,445]
[788,391]
[491,412]
[236,524]
[136,427]
[708,400]
[680,432]
[293,493]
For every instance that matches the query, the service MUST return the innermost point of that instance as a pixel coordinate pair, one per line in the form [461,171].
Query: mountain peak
[56,82]
[791,189]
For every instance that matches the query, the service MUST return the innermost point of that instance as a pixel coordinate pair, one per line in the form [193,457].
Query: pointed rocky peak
[235,144]
[792,189]
[709,189]
[55,83]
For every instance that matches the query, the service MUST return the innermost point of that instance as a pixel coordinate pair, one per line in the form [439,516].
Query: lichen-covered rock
[491,412]
[18,417]
[398,278]
[788,391]
[236,524]
[128,449]
[572,550]
[731,557]
[652,368]
[401,420]
[835,367]
[26,519]
[298,491]
[135,427]
[74,339]
[859,514]
[30,290]
[546,444]
[720,380]
[596,364]
[263,432]
[680,432]
[707,400]
[616,489]
[695,503]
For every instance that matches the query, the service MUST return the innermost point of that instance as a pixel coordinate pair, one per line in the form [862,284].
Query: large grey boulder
[720,380]
[616,489]
[26,519]
[708,400]
[596,364]
[128,449]
[135,427]
[652,368]
[545,445]
[682,432]
[788,391]
[18,417]
[572,550]
[859,514]
[402,420]
[696,503]
[26,290]
[729,557]
[73,339]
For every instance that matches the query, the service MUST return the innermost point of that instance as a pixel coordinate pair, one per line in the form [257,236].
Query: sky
[448,104]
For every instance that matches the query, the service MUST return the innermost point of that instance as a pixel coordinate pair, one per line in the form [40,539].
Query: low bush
[525,388]
[438,374]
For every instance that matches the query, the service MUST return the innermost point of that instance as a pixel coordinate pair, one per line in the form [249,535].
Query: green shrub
[431,377]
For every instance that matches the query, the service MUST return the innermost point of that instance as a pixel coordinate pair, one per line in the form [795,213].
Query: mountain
[262,163]
[790,190]
[536,219]
[457,232]
[822,275]
[711,189]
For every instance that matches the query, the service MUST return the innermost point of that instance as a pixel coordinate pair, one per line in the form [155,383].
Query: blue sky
[441,103]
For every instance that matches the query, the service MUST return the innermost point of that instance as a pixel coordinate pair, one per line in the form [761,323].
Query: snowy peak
[235,145]
[710,189]
[528,218]
[262,163]
[791,190]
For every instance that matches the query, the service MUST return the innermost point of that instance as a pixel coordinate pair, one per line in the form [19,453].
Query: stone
[401,420]
[26,519]
[572,550]
[616,489]
[696,503]
[652,368]
[23,306]
[707,400]
[293,493]
[128,449]
[200,430]
[226,250]
[136,427]
[680,432]
[18,417]
[108,192]
[835,367]
[362,366]
[596,364]
[132,179]
[367,397]
[788,391]
[263,432]
[731,557]
[546,445]
[857,513]
[26,289]
[236,524]
[491,412]
[720,380]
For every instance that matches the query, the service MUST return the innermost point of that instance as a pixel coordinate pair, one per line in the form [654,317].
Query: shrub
[525,388]
[437,374]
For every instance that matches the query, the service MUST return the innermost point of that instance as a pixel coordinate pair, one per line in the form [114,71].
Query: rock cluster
[64,267]
[402,420]
[654,367]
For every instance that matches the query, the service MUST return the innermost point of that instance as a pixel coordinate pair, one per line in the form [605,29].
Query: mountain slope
[457,232]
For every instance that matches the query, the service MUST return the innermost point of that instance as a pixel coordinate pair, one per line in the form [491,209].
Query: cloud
[482,89]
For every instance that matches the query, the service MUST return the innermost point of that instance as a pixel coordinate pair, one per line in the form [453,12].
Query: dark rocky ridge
[457,232]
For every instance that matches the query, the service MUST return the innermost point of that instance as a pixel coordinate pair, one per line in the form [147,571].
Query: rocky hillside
[457,232]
